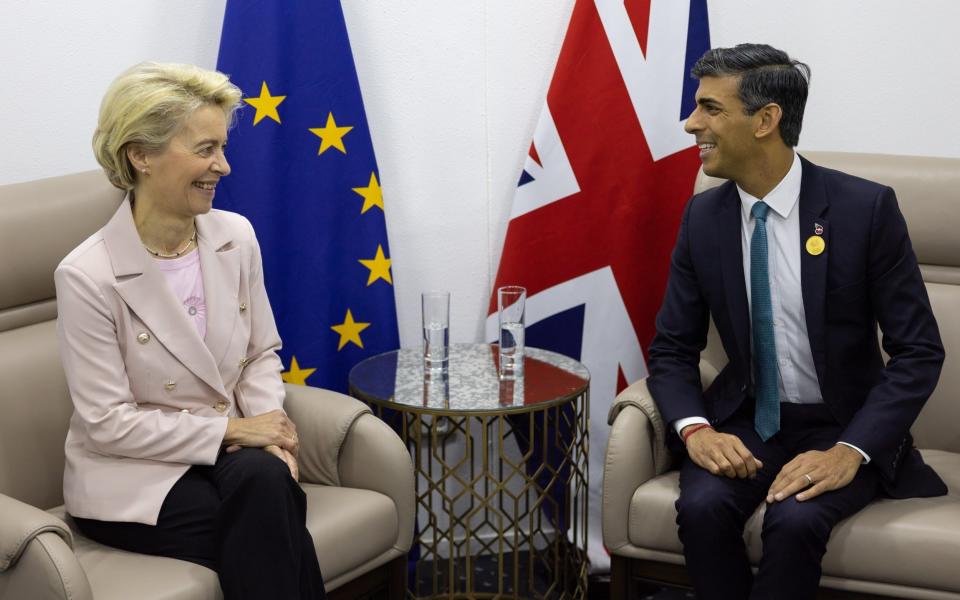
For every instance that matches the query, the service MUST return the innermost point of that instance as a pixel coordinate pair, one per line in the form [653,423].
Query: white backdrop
[453,91]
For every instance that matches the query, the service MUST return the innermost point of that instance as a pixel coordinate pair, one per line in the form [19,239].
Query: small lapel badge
[815,245]
[818,228]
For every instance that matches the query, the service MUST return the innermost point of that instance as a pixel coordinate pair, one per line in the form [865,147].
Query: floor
[433,580]
[598,588]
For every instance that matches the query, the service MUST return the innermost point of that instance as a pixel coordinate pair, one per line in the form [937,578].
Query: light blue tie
[766,418]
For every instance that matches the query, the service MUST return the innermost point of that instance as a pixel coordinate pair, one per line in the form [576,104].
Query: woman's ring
[809,479]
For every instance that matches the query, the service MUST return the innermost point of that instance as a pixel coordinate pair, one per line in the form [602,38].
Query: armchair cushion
[350,527]
[117,574]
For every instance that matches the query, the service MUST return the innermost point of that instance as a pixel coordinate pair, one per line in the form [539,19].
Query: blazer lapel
[813,268]
[142,286]
[731,260]
[220,261]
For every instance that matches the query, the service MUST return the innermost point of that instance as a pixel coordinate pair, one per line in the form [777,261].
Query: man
[797,265]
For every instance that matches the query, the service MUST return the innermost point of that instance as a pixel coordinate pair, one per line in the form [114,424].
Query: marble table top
[471,383]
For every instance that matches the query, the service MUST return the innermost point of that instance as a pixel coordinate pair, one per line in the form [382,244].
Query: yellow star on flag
[296,374]
[349,331]
[331,134]
[265,104]
[372,194]
[379,267]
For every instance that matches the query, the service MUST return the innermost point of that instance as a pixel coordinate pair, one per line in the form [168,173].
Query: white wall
[453,91]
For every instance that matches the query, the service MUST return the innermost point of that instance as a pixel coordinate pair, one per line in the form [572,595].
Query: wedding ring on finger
[808,478]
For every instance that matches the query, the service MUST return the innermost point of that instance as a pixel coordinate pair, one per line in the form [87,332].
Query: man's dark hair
[765,75]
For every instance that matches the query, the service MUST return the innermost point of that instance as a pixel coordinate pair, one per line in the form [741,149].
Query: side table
[502,469]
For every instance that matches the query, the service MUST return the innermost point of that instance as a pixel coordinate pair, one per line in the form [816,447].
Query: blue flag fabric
[305,174]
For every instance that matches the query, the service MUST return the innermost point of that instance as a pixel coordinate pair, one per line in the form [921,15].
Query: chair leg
[620,585]
[386,582]
[397,578]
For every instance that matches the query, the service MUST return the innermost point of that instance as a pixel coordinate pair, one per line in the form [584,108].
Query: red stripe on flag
[639,13]
[533,153]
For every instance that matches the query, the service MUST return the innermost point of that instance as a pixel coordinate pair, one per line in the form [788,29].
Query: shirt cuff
[866,457]
[679,424]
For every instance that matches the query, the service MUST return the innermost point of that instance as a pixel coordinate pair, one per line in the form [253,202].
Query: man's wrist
[689,430]
[680,424]
[852,452]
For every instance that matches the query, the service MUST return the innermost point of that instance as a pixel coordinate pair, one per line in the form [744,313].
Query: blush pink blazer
[151,398]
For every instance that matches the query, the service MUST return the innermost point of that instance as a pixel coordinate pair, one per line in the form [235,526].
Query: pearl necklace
[183,248]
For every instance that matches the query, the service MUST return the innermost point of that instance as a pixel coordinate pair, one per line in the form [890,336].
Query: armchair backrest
[928,190]
[40,222]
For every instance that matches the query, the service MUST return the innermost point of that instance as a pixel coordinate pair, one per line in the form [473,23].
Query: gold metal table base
[527,514]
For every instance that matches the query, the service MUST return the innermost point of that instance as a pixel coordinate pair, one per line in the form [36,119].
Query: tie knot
[760,210]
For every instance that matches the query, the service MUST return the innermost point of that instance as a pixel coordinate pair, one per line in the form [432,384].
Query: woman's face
[183,176]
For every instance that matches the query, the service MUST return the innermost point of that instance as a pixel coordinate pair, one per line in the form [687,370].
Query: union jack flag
[601,195]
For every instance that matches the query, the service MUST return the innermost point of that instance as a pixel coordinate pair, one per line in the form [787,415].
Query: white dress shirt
[798,383]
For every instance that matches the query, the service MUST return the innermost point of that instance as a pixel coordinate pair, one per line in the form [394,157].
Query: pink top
[186,281]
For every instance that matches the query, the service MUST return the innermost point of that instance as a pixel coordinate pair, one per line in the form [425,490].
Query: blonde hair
[147,104]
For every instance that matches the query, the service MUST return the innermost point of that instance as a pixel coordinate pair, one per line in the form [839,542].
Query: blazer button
[244,361]
[170,386]
[243,307]
[221,406]
[143,337]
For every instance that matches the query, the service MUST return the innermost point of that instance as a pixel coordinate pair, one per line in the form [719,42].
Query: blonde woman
[178,445]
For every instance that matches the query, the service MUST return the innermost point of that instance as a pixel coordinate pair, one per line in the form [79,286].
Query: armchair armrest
[655,433]
[636,453]
[323,419]
[375,458]
[19,524]
[36,555]
[631,459]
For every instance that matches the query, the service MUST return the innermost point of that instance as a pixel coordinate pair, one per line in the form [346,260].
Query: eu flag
[305,174]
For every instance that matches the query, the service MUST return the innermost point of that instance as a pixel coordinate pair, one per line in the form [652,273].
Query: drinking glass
[511,301]
[436,331]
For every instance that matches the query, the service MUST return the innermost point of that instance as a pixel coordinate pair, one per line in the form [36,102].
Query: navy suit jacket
[867,274]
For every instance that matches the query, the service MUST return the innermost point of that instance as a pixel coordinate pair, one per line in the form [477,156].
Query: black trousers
[244,517]
[712,511]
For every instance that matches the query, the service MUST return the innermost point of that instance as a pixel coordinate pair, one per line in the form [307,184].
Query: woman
[178,445]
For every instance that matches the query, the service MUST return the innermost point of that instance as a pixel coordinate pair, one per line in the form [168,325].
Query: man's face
[725,135]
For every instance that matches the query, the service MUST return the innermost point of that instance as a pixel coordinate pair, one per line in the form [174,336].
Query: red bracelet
[693,429]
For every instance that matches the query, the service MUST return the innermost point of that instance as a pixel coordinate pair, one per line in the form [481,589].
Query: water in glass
[436,341]
[511,349]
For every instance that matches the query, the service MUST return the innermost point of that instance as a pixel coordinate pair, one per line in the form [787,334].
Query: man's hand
[815,472]
[721,454]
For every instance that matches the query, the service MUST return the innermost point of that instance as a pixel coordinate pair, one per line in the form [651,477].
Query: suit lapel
[731,260]
[220,261]
[143,288]
[813,268]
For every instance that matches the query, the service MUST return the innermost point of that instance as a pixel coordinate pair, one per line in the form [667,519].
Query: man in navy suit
[797,265]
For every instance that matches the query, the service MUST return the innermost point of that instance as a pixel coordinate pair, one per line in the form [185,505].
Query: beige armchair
[893,548]
[354,469]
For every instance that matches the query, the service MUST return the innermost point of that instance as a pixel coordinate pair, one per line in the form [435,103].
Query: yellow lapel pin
[815,245]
